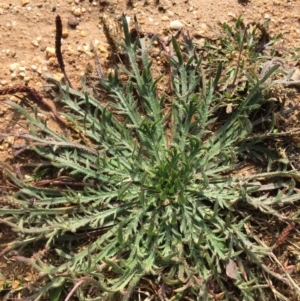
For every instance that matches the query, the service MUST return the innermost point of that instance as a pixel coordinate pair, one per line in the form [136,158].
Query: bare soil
[27,38]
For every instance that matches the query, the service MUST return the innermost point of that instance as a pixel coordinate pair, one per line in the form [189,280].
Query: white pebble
[77,12]
[14,67]
[165,18]
[50,51]
[35,43]
[176,25]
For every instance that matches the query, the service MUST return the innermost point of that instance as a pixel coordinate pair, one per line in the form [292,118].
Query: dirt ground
[27,39]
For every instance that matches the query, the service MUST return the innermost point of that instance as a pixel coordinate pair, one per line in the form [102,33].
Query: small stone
[3,82]
[35,43]
[34,67]
[27,79]
[77,12]
[22,74]
[69,52]
[170,13]
[58,76]
[296,75]
[90,54]
[51,61]
[83,10]
[25,2]
[65,33]
[14,67]
[72,22]
[102,49]
[176,25]
[231,14]
[165,18]
[50,52]
[83,33]
[266,16]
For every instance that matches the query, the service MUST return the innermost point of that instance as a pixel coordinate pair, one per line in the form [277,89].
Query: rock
[13,76]
[35,43]
[50,52]
[14,67]
[72,22]
[165,18]
[25,2]
[176,25]
[296,75]
[77,12]
[65,33]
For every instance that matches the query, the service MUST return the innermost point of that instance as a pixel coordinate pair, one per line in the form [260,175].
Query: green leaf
[55,293]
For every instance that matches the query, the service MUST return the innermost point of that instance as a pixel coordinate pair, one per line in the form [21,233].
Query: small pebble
[72,22]
[25,2]
[3,82]
[14,67]
[296,74]
[83,33]
[176,25]
[77,12]
[65,33]
[35,43]
[165,18]
[50,51]
[170,13]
